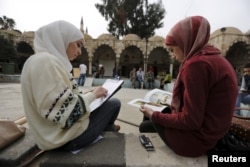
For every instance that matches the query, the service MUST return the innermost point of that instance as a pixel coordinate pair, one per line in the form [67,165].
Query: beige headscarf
[55,38]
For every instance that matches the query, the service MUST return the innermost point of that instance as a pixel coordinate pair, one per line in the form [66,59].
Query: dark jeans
[102,119]
[147,126]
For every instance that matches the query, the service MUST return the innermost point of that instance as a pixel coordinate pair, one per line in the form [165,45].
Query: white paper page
[139,102]
[159,96]
[111,85]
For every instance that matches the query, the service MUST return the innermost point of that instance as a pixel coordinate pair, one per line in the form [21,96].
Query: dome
[87,36]
[156,38]
[131,37]
[248,32]
[107,37]
[28,34]
[230,30]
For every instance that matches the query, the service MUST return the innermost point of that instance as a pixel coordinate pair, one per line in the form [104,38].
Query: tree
[7,23]
[7,50]
[132,16]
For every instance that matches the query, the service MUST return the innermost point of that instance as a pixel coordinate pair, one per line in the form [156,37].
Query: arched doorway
[238,56]
[105,56]
[160,60]
[130,57]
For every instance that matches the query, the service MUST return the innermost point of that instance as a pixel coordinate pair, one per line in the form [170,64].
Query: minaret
[81,26]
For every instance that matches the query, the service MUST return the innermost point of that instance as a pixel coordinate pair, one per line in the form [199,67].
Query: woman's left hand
[147,111]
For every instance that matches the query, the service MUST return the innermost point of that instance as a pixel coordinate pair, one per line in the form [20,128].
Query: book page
[112,86]
[139,102]
[159,96]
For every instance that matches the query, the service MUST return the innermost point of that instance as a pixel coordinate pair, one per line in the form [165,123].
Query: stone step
[115,149]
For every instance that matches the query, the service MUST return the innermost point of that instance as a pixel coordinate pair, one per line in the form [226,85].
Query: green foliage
[7,23]
[132,16]
[7,50]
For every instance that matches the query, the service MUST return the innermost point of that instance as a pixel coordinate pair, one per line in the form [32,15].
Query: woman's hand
[100,92]
[147,111]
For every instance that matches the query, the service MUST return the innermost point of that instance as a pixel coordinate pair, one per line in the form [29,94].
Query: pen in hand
[89,91]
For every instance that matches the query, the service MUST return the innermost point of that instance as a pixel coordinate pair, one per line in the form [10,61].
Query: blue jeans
[102,119]
[81,79]
[242,98]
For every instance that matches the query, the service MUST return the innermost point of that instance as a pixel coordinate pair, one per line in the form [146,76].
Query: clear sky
[32,14]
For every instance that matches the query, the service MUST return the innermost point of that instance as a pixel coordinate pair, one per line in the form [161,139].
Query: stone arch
[160,59]
[105,55]
[155,42]
[225,39]
[238,56]
[238,50]
[105,39]
[234,41]
[130,57]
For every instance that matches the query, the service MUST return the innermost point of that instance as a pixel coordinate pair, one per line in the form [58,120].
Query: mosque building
[121,56]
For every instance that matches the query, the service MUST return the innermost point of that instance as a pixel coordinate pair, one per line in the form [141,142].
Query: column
[90,65]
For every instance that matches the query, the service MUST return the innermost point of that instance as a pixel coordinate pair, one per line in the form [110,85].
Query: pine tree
[132,17]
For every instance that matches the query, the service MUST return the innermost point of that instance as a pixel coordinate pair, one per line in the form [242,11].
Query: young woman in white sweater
[57,111]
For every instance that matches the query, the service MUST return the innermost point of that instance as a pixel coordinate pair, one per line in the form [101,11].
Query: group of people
[58,112]
[137,78]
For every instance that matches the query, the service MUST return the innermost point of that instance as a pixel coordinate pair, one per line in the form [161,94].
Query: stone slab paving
[129,118]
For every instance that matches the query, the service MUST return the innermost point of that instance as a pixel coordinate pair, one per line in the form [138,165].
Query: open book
[156,99]
[112,86]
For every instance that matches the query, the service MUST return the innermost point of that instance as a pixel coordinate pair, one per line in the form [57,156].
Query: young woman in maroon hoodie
[204,94]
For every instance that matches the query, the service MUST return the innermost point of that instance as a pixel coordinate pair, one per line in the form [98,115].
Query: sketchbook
[112,86]
[156,99]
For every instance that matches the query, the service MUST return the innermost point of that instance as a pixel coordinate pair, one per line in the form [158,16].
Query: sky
[29,15]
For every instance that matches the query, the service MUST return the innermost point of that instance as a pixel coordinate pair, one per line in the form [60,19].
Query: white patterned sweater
[56,110]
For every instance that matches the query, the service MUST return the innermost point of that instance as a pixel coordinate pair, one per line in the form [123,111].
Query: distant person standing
[101,71]
[140,77]
[133,77]
[82,77]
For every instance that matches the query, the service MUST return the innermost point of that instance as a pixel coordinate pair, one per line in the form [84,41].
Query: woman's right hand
[100,92]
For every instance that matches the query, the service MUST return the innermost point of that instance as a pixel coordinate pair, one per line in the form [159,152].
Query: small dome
[107,37]
[230,30]
[28,34]
[248,32]
[131,37]
[87,37]
[156,38]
